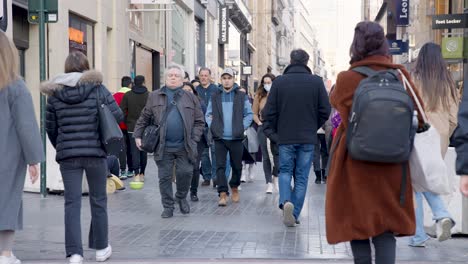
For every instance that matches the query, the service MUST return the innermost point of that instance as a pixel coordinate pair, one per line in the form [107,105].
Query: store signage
[50,7]
[398,47]
[223,24]
[450,21]
[247,70]
[76,35]
[402,18]
[452,48]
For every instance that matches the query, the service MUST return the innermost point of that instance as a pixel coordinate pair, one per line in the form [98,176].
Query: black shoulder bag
[151,135]
[109,130]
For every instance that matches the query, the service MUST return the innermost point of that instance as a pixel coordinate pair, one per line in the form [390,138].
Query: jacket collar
[73,79]
[297,68]
[377,60]
[124,90]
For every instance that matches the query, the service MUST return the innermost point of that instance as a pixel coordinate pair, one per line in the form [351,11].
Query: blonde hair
[8,61]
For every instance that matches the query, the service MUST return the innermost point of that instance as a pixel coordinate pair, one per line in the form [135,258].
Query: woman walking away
[258,105]
[72,127]
[20,147]
[440,98]
[365,200]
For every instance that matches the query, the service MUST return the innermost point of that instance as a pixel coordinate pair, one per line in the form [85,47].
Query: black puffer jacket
[71,118]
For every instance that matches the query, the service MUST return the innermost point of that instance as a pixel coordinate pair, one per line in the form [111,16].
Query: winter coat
[363,198]
[444,121]
[460,137]
[71,118]
[192,115]
[299,102]
[229,114]
[132,104]
[20,145]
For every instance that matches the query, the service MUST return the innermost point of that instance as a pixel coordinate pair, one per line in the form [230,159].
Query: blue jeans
[208,167]
[299,156]
[438,211]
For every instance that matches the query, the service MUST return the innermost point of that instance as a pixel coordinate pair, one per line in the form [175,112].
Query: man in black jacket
[298,105]
[132,104]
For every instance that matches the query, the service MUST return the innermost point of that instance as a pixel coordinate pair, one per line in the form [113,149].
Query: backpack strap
[364,70]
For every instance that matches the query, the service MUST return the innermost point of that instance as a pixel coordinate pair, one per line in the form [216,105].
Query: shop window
[81,37]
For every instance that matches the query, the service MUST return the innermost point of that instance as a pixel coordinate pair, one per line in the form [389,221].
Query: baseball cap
[228,71]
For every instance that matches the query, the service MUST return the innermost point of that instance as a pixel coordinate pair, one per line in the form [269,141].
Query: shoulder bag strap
[171,105]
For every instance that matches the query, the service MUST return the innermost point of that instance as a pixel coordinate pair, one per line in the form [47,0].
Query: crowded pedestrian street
[233,131]
[248,232]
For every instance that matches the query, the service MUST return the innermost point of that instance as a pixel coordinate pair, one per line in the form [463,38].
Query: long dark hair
[261,92]
[435,80]
[192,87]
[369,39]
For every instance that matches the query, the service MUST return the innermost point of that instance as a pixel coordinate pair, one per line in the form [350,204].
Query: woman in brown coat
[363,198]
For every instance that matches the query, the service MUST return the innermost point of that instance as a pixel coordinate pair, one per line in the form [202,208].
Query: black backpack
[381,125]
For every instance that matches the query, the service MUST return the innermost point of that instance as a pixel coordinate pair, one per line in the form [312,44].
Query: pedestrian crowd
[360,138]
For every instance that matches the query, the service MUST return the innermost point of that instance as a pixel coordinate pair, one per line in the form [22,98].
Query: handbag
[253,143]
[427,166]
[108,127]
[151,134]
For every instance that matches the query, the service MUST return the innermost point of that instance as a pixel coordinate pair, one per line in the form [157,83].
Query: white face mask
[267,87]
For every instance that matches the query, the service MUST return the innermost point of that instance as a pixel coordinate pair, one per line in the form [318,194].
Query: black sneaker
[298,222]
[194,197]
[167,213]
[184,206]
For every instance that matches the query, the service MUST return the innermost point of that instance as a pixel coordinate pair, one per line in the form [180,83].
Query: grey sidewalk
[250,231]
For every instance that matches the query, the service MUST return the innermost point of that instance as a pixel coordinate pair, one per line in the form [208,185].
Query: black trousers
[196,167]
[235,149]
[139,158]
[125,156]
[183,170]
[72,175]
[321,161]
[113,165]
[265,154]
[385,249]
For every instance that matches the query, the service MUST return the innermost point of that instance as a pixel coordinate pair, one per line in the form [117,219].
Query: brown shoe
[137,178]
[222,199]
[235,194]
[142,177]
[206,183]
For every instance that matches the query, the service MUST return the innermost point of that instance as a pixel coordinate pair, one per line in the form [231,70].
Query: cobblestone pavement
[250,231]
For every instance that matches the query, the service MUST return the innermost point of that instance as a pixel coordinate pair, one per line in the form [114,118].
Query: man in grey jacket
[179,135]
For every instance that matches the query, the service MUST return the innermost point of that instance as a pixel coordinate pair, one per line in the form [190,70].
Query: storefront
[21,32]
[81,36]
[179,36]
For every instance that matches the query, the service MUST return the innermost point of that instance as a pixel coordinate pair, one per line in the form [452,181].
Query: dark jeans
[235,149]
[113,165]
[139,158]
[125,156]
[321,148]
[265,156]
[298,157]
[196,168]
[385,249]
[275,151]
[206,165]
[72,175]
[183,170]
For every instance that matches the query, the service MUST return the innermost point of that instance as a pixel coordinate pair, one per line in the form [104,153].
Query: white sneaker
[269,189]
[443,229]
[239,188]
[103,254]
[288,218]
[9,260]
[250,175]
[243,175]
[275,183]
[76,259]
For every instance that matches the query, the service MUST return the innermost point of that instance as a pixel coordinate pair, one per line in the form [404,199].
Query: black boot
[324,177]
[318,177]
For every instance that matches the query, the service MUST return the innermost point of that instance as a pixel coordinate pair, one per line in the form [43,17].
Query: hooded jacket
[71,117]
[132,104]
[118,96]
